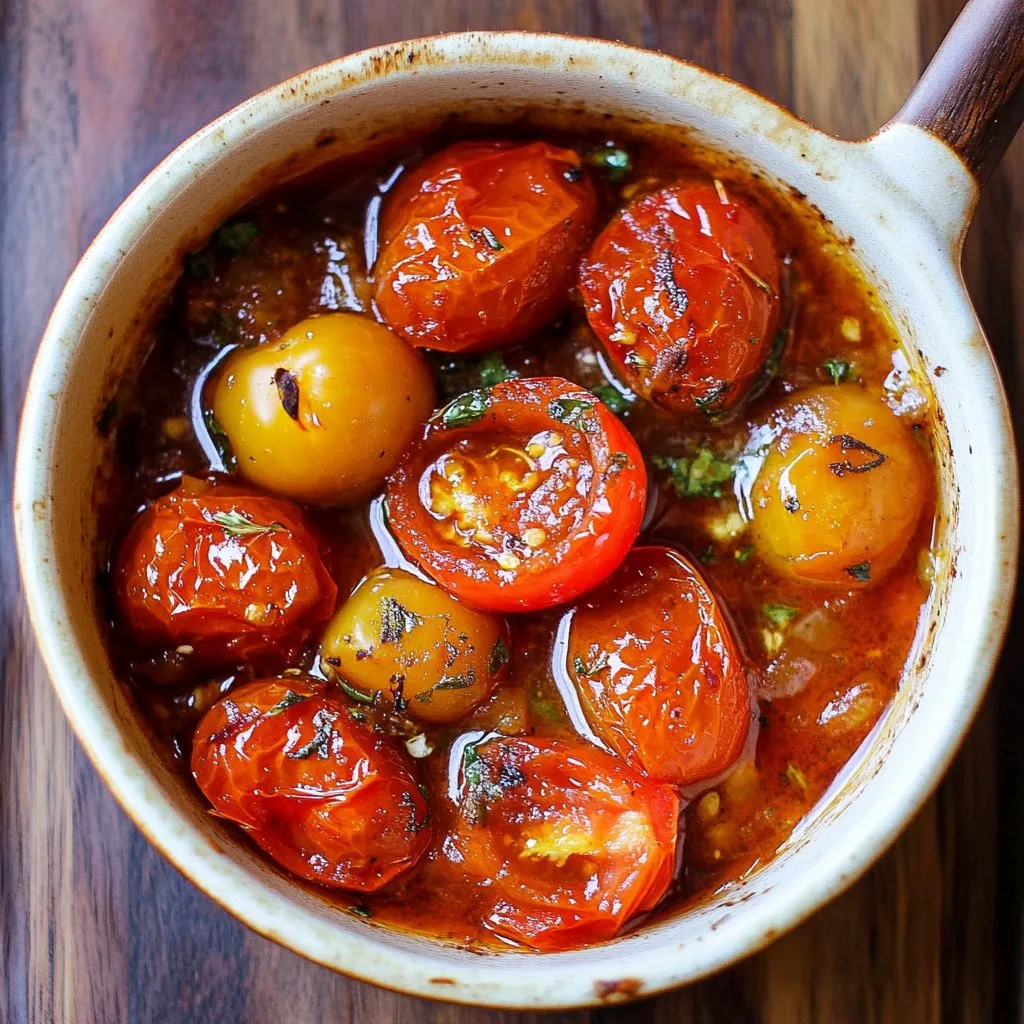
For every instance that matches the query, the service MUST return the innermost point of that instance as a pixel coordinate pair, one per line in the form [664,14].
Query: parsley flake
[701,476]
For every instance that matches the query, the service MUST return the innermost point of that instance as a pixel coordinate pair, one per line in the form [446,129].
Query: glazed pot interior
[907,252]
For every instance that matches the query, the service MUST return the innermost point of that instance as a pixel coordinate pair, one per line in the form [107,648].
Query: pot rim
[656,965]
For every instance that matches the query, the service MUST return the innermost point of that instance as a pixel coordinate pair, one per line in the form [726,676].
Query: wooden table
[95,925]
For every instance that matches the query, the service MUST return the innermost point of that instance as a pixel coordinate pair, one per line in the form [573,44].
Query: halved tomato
[569,842]
[682,288]
[312,783]
[519,497]
[658,671]
[224,572]
[480,243]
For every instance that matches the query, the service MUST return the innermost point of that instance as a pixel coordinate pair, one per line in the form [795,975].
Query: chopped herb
[456,682]
[614,398]
[357,695]
[852,444]
[356,715]
[236,236]
[220,441]
[415,824]
[771,365]
[290,697]
[224,329]
[742,554]
[499,656]
[480,787]
[861,572]
[288,391]
[487,235]
[323,721]
[199,264]
[572,411]
[796,778]
[235,524]
[837,369]
[617,462]
[493,370]
[791,503]
[581,668]
[465,409]
[616,163]
[396,620]
[361,910]
[711,402]
[778,614]
[665,275]
[699,477]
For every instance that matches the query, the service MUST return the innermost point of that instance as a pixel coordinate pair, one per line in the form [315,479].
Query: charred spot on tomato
[288,390]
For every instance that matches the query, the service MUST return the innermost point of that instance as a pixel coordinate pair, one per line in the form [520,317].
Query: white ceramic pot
[904,197]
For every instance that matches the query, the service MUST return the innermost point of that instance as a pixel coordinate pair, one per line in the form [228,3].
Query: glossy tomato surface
[222,571]
[658,671]
[682,288]
[570,842]
[520,496]
[480,243]
[312,783]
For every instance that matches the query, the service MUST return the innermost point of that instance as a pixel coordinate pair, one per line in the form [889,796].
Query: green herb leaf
[357,695]
[778,614]
[861,572]
[699,477]
[361,910]
[235,524]
[615,162]
[290,697]
[236,236]
[573,412]
[614,398]
[488,236]
[742,554]
[837,369]
[465,409]
[396,620]
[581,668]
[500,655]
[493,370]
[220,441]
[320,744]
[199,265]
[712,402]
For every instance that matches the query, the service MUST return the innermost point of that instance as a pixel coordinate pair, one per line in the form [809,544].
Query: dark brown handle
[972,94]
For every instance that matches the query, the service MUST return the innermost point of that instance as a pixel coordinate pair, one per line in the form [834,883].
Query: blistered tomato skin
[519,497]
[658,671]
[316,788]
[413,642]
[841,489]
[323,413]
[683,290]
[480,243]
[568,841]
[225,573]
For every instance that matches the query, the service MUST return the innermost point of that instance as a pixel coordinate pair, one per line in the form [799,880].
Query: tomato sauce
[817,664]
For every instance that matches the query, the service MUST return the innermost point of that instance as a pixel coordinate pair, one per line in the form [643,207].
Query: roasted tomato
[521,496]
[657,669]
[479,244]
[324,794]
[225,573]
[841,489]
[570,842]
[323,413]
[402,636]
[682,288]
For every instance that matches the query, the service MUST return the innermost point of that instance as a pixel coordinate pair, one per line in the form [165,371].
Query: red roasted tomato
[226,573]
[480,243]
[312,783]
[570,841]
[682,288]
[657,669]
[521,496]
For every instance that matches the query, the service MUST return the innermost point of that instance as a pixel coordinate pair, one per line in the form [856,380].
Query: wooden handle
[972,94]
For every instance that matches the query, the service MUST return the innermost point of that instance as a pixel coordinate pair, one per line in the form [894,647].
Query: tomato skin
[480,243]
[568,842]
[486,495]
[658,671]
[348,814]
[181,578]
[682,289]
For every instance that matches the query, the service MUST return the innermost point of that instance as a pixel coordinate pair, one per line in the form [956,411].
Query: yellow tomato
[323,413]
[398,634]
[841,489]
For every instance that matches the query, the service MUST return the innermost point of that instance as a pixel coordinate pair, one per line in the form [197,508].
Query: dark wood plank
[94,925]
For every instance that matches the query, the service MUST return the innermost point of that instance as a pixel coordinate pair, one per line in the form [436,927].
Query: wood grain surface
[94,925]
